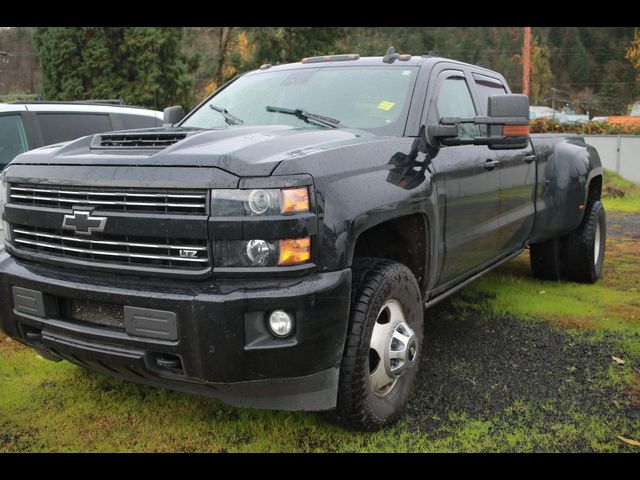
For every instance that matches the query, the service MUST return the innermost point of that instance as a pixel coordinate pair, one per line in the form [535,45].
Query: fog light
[280,323]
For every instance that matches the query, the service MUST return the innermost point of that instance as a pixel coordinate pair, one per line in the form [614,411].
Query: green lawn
[630,202]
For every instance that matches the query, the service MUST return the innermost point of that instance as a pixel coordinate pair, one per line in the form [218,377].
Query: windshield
[369,98]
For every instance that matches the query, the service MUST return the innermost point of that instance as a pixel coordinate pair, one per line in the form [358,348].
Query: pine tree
[291,44]
[141,65]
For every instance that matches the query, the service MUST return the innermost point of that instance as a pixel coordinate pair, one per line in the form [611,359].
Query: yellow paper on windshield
[385,105]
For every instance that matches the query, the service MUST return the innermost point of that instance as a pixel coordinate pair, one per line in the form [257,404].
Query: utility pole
[526,60]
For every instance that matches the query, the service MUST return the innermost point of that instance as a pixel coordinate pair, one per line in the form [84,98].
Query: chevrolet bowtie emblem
[82,223]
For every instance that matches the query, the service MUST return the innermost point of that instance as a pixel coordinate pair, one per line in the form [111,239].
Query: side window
[454,100]
[487,86]
[139,121]
[13,138]
[62,127]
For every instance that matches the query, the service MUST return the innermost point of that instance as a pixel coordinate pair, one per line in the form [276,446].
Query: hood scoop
[147,140]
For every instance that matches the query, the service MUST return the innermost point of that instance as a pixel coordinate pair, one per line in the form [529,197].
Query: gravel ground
[477,364]
[627,224]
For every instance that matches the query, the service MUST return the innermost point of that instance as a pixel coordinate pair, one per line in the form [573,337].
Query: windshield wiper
[306,116]
[229,118]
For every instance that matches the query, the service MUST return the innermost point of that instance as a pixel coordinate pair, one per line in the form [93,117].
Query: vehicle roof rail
[115,101]
[345,57]
[112,103]
[40,99]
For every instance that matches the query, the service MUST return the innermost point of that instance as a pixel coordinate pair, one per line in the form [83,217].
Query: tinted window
[13,138]
[486,87]
[454,100]
[139,121]
[62,127]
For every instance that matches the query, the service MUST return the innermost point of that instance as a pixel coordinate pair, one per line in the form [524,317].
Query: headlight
[260,202]
[261,253]
[256,202]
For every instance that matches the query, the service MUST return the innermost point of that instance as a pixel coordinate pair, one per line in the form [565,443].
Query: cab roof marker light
[265,66]
[331,58]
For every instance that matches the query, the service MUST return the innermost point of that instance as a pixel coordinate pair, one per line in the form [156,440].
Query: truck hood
[240,150]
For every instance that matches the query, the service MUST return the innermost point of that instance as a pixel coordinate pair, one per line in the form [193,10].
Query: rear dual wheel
[579,256]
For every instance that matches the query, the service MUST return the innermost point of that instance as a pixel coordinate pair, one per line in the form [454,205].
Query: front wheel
[383,346]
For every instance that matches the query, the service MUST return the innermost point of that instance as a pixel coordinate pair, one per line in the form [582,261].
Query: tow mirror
[173,115]
[509,121]
[505,127]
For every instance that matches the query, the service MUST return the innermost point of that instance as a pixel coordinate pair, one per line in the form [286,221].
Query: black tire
[584,253]
[375,283]
[546,259]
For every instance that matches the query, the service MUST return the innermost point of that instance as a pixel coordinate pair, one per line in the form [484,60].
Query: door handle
[491,164]
[529,158]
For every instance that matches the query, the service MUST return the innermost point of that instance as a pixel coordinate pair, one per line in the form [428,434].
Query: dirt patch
[9,344]
[573,321]
[634,390]
[13,440]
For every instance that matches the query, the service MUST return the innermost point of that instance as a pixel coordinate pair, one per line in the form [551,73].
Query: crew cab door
[467,183]
[517,172]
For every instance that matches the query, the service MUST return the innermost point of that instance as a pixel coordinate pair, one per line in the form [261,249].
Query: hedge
[552,125]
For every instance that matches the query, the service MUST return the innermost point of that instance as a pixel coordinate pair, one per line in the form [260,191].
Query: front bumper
[223,346]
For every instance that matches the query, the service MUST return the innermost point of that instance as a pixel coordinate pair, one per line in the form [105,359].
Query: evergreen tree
[576,57]
[615,95]
[141,65]
[291,44]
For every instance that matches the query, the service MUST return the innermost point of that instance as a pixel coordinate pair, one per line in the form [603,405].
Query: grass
[47,406]
[629,202]
[612,305]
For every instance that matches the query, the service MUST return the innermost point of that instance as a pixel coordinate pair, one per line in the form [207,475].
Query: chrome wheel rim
[393,348]
[596,245]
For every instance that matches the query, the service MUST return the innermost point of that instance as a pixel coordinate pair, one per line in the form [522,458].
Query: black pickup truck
[278,246]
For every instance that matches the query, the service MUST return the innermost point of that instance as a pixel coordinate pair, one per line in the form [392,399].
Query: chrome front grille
[178,202]
[127,250]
